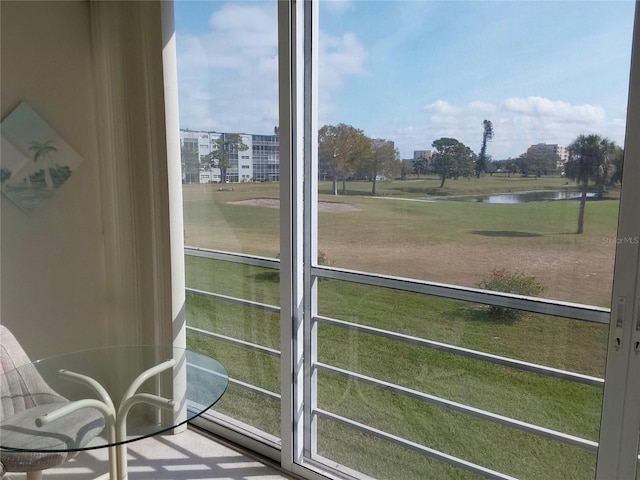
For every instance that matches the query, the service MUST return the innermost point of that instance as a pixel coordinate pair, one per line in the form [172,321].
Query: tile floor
[186,456]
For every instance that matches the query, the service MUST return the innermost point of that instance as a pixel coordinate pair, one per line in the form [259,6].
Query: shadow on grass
[348,193]
[440,192]
[505,233]
[483,314]
[267,276]
[386,191]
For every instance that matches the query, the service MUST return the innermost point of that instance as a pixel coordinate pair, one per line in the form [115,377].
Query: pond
[522,197]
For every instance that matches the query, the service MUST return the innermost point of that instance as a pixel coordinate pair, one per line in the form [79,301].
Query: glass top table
[106,397]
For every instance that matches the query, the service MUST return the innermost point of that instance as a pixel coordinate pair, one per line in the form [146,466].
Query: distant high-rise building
[562,152]
[426,154]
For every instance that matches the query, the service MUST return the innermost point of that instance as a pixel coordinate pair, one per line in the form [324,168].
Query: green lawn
[453,242]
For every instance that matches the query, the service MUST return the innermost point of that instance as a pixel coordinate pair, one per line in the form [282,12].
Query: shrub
[323,258]
[502,280]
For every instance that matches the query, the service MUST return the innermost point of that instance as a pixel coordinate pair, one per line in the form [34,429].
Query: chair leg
[34,475]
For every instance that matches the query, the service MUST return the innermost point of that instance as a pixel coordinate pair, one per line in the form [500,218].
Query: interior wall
[52,283]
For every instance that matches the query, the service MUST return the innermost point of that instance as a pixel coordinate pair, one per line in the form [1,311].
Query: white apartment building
[196,146]
[562,152]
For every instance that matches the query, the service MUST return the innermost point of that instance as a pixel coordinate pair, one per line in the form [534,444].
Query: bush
[503,280]
[323,258]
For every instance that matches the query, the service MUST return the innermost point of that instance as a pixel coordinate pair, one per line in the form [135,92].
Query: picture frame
[35,162]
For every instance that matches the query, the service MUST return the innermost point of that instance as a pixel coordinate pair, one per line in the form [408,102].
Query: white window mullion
[310,80]
[291,229]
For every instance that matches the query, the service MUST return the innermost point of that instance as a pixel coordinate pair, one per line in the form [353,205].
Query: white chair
[25,396]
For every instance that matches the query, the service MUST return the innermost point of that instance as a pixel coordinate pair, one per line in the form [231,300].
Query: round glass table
[104,397]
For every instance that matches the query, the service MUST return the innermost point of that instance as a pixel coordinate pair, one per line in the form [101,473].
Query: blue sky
[415,71]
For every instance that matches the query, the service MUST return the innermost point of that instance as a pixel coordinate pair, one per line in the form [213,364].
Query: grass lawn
[402,232]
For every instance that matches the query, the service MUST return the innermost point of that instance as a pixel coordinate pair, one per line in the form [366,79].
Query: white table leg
[116,423]
[121,455]
[129,399]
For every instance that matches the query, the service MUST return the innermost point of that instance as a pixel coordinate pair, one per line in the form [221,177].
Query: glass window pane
[411,344]
[462,199]
[466,149]
[228,92]
[228,96]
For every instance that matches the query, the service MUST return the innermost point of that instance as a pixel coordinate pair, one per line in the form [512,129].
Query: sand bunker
[275,203]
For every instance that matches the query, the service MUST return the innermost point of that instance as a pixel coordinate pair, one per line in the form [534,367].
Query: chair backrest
[21,386]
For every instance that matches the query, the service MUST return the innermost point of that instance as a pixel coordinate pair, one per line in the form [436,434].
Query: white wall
[52,284]
[102,264]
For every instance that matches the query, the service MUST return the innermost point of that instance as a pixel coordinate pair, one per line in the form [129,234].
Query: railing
[564,309]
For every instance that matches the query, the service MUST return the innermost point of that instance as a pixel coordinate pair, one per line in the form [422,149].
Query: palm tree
[44,150]
[481,161]
[589,159]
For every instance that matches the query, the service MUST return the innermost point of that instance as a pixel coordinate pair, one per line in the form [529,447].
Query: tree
[482,160]
[537,162]
[452,159]
[589,159]
[491,168]
[618,164]
[341,148]
[382,160]
[190,159]
[44,151]
[223,147]
[420,166]
[406,167]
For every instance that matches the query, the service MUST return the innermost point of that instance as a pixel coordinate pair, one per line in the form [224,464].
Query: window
[437,318]
[243,333]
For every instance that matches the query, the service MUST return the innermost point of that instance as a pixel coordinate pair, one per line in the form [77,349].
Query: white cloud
[441,106]
[339,57]
[517,123]
[545,108]
[228,77]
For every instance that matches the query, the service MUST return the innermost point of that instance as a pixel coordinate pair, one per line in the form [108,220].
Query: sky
[416,71]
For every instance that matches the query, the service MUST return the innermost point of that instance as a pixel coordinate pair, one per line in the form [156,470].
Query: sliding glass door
[462,192]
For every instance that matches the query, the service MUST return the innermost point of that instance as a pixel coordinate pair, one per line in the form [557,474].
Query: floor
[187,456]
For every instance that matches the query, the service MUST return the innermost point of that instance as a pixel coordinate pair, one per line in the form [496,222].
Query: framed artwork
[35,160]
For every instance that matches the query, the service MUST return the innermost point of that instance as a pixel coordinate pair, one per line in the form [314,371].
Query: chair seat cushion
[39,448]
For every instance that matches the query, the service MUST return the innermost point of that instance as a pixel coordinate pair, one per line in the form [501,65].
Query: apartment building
[418,154]
[258,163]
[562,152]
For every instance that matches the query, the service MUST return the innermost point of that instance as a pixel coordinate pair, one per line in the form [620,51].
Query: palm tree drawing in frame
[35,160]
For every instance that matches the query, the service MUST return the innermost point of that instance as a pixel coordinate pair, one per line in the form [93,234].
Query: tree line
[345,152]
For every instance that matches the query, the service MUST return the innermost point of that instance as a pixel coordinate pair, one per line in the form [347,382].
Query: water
[523,197]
